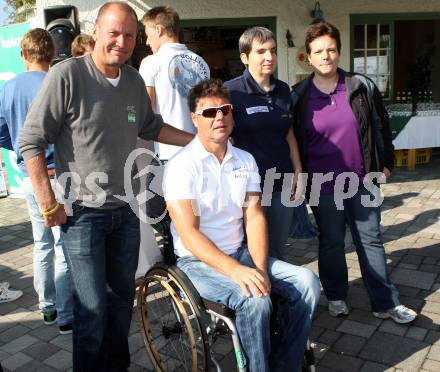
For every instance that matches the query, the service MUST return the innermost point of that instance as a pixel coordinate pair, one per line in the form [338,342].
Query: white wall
[290,14]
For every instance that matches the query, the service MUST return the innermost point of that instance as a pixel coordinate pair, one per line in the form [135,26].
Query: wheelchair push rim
[174,339]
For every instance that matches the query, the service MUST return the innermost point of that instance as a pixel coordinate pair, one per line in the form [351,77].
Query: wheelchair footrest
[219,308]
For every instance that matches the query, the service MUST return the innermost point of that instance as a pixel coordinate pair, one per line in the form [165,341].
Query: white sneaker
[400,314]
[8,295]
[338,308]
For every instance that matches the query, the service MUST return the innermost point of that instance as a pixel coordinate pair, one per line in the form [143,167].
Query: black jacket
[367,105]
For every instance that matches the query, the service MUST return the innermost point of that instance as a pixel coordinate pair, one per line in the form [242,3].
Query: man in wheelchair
[212,190]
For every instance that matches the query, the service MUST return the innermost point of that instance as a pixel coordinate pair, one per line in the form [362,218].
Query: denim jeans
[297,285]
[301,226]
[102,249]
[364,224]
[279,219]
[51,273]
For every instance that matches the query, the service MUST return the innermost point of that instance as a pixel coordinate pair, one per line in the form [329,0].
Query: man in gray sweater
[93,108]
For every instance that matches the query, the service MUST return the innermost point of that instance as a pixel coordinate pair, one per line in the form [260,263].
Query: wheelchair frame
[199,320]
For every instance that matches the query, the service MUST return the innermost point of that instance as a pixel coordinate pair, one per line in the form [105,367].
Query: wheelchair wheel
[309,359]
[171,321]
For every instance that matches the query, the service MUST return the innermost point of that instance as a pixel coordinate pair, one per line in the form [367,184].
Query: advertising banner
[11,64]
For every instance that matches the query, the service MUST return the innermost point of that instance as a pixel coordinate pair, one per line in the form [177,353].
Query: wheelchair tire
[170,312]
[309,363]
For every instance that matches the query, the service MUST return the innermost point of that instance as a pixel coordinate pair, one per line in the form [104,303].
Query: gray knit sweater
[94,127]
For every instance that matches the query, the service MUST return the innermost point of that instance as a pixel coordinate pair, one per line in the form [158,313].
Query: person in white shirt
[170,72]
[212,191]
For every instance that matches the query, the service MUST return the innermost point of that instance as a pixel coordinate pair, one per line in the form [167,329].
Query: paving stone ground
[359,342]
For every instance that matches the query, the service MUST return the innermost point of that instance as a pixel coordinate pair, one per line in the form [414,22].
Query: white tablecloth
[420,132]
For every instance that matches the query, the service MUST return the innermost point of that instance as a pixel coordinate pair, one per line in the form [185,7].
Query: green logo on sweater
[131,114]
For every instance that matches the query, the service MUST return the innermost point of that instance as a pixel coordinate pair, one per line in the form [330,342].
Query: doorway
[216,41]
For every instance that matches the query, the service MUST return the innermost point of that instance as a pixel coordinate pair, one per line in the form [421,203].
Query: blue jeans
[364,224]
[297,285]
[51,273]
[102,249]
[301,226]
[279,219]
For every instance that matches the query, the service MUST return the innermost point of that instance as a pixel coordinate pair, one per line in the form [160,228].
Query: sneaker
[400,314]
[338,308]
[50,317]
[8,295]
[66,329]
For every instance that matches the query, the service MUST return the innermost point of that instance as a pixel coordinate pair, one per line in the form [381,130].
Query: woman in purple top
[343,135]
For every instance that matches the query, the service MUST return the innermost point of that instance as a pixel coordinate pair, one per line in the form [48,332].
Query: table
[420,131]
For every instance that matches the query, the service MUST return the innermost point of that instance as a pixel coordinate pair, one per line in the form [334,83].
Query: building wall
[290,14]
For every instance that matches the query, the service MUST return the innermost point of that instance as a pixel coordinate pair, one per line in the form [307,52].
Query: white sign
[371,65]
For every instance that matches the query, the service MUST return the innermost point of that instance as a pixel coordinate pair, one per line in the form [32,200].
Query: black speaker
[61,21]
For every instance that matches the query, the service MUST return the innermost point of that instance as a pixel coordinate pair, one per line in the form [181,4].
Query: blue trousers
[297,285]
[364,224]
[51,274]
[102,248]
[279,220]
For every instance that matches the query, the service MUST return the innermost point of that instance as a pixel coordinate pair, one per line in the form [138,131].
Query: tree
[19,10]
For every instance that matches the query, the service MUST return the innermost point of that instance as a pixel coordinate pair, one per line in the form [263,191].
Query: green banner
[11,64]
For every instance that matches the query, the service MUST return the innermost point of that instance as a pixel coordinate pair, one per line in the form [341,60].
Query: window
[400,53]
[371,54]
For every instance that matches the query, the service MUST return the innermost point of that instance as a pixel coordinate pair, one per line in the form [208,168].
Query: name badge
[256,109]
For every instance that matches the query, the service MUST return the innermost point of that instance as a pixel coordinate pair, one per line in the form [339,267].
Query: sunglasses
[211,112]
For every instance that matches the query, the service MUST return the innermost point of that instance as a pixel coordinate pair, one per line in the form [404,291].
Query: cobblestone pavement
[359,342]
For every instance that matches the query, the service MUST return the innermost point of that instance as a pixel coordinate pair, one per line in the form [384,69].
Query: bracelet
[51,210]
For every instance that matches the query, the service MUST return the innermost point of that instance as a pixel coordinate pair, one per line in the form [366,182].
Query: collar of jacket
[353,82]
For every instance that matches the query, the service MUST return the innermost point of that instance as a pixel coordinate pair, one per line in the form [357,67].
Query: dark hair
[262,34]
[80,44]
[322,29]
[122,4]
[207,88]
[38,45]
[165,16]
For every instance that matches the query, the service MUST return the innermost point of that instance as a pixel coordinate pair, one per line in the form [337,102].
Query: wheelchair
[180,328]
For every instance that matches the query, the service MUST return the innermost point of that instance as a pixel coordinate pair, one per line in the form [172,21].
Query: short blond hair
[38,45]
[80,44]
